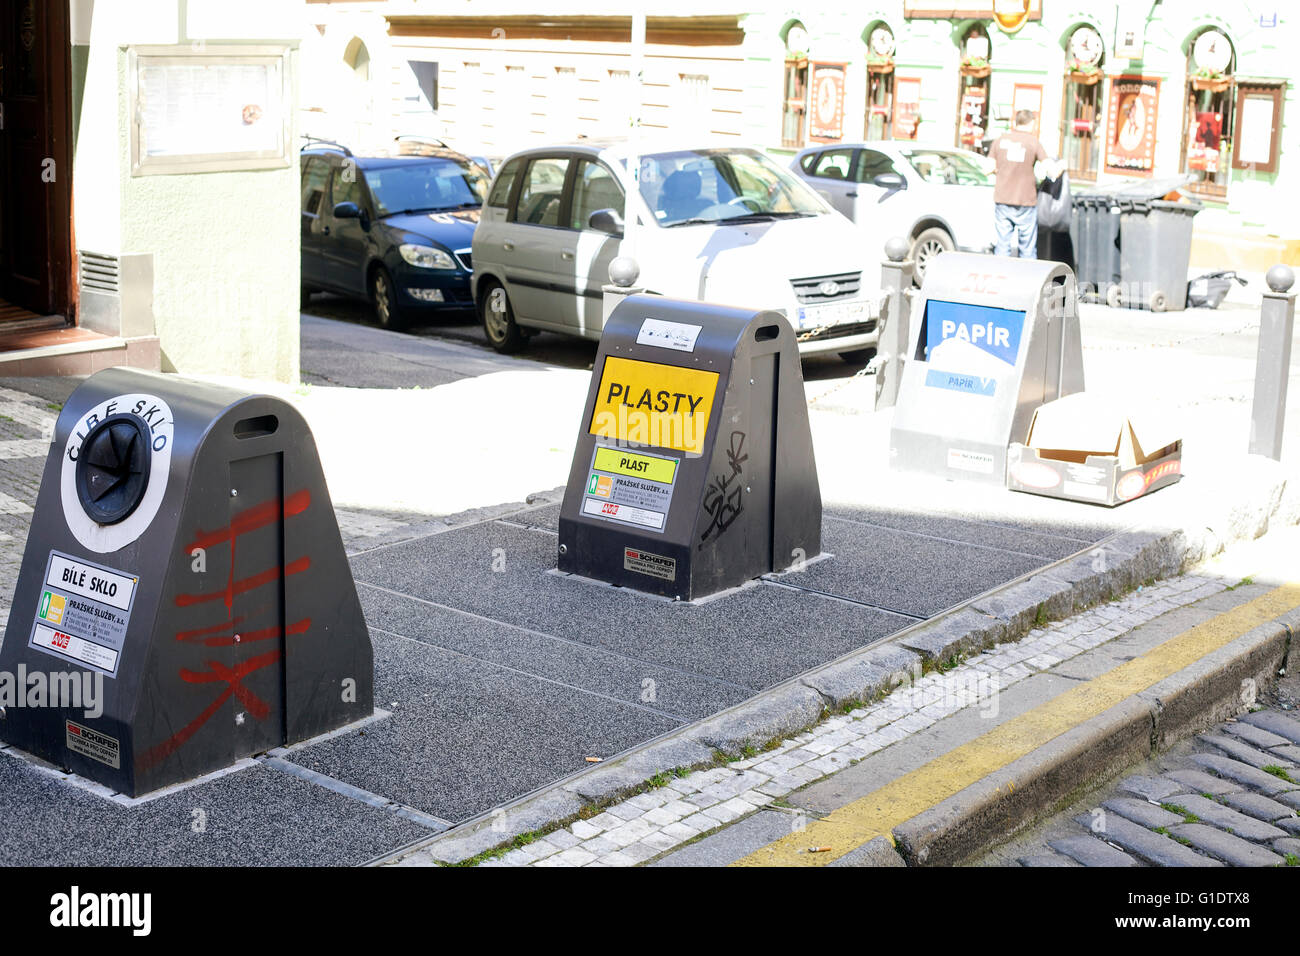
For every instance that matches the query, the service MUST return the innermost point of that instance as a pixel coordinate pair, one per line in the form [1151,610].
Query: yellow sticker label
[633,465]
[657,405]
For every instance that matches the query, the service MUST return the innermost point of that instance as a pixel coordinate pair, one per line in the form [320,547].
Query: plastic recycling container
[1132,246]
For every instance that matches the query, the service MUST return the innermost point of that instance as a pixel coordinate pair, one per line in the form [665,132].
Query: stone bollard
[1276,320]
[895,280]
[623,273]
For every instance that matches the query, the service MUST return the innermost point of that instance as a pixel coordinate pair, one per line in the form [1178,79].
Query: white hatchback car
[938,198]
[726,225]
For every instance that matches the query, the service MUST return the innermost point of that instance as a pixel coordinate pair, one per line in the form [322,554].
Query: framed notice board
[1259,123]
[208,109]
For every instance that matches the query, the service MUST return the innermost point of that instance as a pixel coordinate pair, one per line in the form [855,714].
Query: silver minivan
[723,224]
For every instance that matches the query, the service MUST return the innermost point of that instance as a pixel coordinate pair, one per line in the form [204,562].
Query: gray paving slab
[1198,781]
[465,735]
[896,570]
[676,692]
[1224,846]
[1042,538]
[1150,787]
[755,637]
[1239,772]
[1226,818]
[1047,860]
[1275,722]
[255,816]
[738,840]
[1255,736]
[1139,811]
[1259,807]
[1154,848]
[1239,750]
[1091,851]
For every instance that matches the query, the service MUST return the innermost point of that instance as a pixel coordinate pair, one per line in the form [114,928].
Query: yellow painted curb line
[877,813]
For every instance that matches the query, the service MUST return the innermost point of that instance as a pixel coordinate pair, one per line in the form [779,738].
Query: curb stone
[1113,566]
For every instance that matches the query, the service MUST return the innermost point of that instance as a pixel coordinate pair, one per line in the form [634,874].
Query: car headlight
[426,257]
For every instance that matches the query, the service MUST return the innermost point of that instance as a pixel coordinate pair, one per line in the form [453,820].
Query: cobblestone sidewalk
[1230,797]
[676,810]
[26,426]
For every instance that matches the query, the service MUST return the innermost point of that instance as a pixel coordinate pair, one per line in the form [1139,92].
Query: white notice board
[207,109]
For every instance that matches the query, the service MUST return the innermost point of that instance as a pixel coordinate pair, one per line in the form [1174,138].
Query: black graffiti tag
[724,496]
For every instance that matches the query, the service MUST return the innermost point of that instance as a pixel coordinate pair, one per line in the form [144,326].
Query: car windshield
[950,168]
[426,186]
[714,185]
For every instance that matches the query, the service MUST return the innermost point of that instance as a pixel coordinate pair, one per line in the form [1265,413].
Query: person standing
[1015,196]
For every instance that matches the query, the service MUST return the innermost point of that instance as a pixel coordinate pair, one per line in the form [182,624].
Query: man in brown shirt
[1015,197]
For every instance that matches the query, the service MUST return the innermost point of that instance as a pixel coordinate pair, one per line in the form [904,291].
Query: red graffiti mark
[245,637]
[234,588]
[223,634]
[259,516]
[232,680]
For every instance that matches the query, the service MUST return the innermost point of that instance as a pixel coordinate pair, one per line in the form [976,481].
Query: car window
[500,195]
[426,186]
[871,163]
[948,167]
[594,187]
[315,172]
[712,185]
[539,198]
[833,164]
[346,186]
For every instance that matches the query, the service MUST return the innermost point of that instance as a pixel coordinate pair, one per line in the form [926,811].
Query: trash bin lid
[1140,190]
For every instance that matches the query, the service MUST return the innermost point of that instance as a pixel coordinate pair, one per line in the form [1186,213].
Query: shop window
[880,83]
[1209,113]
[973,89]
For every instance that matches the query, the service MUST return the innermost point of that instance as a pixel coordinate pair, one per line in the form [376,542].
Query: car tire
[930,243]
[859,356]
[383,298]
[498,316]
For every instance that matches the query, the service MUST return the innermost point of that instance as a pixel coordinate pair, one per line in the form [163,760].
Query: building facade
[150,186]
[1142,89]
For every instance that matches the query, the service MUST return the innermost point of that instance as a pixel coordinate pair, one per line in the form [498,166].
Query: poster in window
[907,107]
[1028,96]
[827,124]
[1203,141]
[973,103]
[1131,126]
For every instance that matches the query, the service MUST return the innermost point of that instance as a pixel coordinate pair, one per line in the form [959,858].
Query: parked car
[395,230]
[726,225]
[939,198]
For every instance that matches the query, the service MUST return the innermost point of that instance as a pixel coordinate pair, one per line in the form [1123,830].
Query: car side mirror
[606,220]
[890,181]
[350,210]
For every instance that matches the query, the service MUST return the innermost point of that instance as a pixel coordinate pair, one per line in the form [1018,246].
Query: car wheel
[858,356]
[930,243]
[499,319]
[383,297]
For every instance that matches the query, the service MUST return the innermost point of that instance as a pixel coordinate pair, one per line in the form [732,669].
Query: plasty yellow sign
[657,405]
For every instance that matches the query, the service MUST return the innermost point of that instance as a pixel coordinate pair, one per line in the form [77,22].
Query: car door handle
[852,195]
[507,246]
[567,254]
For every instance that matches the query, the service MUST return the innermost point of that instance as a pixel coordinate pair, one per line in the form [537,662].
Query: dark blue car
[395,230]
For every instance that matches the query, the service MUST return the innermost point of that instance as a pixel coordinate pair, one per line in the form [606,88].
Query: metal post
[635,79]
[1276,321]
[895,331]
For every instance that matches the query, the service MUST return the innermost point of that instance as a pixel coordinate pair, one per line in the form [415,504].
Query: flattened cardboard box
[1085,448]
